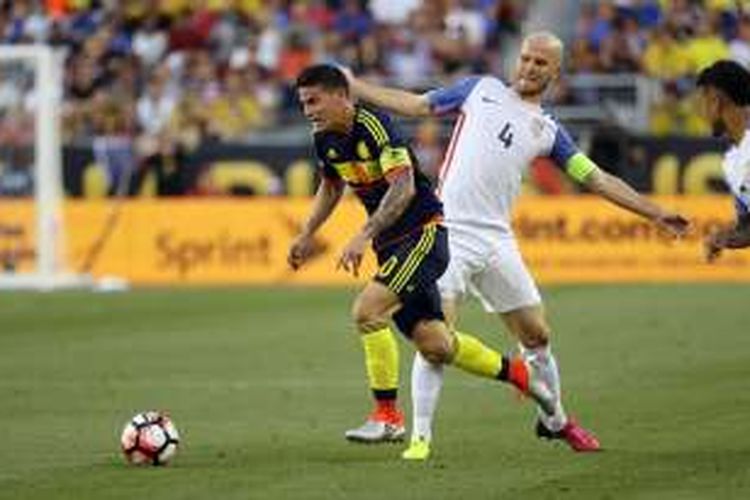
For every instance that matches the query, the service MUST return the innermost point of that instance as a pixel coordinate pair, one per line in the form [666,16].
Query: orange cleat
[381,426]
[522,375]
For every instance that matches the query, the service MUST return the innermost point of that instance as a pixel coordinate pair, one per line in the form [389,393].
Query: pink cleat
[578,438]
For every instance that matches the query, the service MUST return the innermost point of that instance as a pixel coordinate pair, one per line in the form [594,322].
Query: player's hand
[673,223]
[351,256]
[713,245]
[300,249]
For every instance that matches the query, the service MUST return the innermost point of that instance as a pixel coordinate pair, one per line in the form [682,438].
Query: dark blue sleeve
[393,136]
[325,168]
[449,99]
[563,149]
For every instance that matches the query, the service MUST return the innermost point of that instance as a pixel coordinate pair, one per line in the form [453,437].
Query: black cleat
[542,432]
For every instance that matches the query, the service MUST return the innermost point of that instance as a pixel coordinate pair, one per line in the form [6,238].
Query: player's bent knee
[435,352]
[368,320]
[434,346]
[534,336]
[372,308]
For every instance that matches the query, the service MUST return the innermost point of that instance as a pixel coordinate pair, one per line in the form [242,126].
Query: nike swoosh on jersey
[490,100]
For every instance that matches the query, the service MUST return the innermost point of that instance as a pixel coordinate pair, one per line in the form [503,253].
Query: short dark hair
[730,78]
[326,75]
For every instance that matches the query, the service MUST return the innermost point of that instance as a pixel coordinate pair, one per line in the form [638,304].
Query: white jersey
[496,137]
[736,167]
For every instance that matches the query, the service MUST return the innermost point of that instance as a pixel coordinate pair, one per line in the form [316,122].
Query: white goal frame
[50,271]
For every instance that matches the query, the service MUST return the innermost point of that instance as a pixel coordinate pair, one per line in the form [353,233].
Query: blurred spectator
[665,58]
[352,22]
[16,151]
[192,28]
[113,145]
[706,46]
[189,123]
[146,82]
[621,52]
[647,13]
[681,17]
[739,48]
[674,114]
[667,40]
[270,41]
[154,108]
[410,59]
[393,13]
[428,148]
[236,112]
[201,75]
[602,25]
[150,41]
[319,14]
[462,39]
[503,21]
[464,21]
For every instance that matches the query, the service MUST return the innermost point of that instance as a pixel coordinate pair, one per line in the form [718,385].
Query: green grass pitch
[262,383]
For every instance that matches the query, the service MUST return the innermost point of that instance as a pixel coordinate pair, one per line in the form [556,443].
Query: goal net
[32,231]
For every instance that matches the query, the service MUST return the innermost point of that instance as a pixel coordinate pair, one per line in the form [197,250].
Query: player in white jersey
[499,130]
[725,97]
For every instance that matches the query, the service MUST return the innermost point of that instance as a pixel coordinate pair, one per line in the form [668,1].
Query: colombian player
[360,148]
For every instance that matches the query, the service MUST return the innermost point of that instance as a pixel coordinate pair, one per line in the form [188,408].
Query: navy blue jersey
[365,158]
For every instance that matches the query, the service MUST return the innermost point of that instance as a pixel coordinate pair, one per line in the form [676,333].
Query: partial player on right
[500,129]
[725,97]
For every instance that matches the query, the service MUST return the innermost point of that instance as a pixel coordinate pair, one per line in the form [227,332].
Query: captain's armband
[580,167]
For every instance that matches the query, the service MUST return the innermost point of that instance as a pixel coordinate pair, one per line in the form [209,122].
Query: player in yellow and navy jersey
[366,158]
[360,148]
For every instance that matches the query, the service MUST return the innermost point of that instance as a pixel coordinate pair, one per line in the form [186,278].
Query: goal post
[31,79]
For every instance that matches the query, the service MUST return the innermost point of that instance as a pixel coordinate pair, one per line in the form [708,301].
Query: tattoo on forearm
[393,204]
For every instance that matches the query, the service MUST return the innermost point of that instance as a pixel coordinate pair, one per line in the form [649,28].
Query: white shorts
[490,269]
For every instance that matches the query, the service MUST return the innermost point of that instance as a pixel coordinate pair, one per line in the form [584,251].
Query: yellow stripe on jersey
[373,125]
[394,158]
[359,172]
[416,256]
[376,134]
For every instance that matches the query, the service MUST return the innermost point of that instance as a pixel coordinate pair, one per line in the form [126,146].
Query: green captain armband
[580,167]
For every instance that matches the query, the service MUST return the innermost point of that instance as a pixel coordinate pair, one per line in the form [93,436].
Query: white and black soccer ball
[150,438]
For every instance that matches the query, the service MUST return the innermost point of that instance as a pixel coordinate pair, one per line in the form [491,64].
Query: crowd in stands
[667,40]
[225,67]
[172,74]
[154,79]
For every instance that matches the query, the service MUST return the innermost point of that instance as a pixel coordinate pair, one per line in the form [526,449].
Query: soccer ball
[150,438]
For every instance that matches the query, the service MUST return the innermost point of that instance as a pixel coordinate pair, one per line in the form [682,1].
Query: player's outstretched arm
[401,102]
[326,198]
[618,192]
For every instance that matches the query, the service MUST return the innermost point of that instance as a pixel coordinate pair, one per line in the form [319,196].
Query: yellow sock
[474,357]
[381,359]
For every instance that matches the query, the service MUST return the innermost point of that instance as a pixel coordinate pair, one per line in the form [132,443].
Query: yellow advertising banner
[587,240]
[230,241]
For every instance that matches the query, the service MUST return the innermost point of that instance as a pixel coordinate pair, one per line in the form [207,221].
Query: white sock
[543,361]
[426,382]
